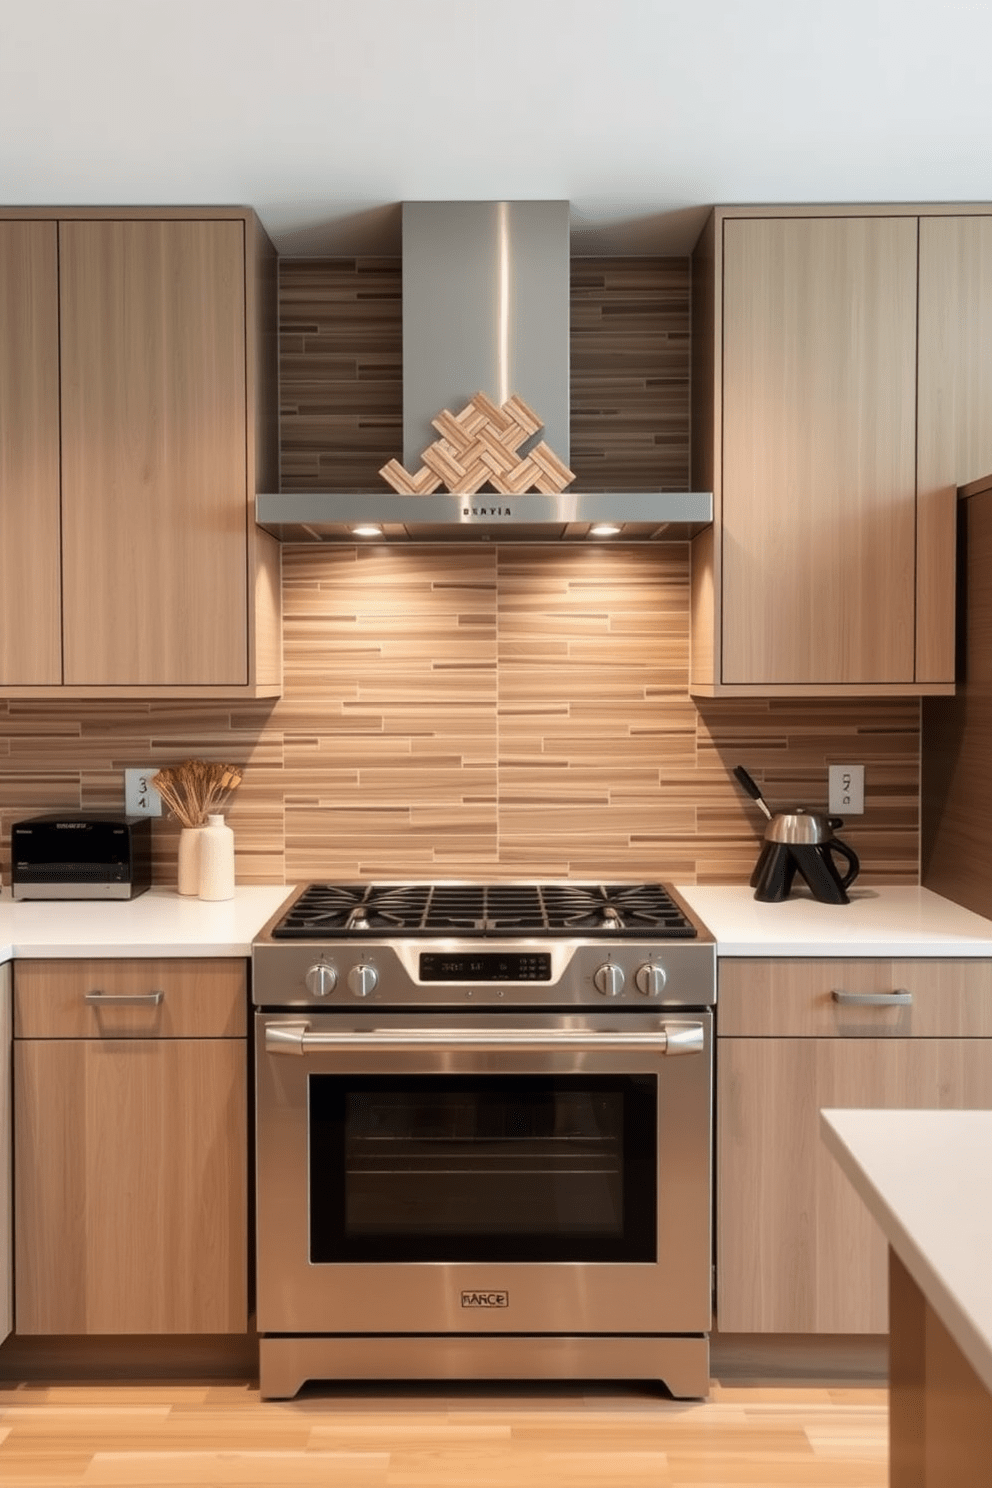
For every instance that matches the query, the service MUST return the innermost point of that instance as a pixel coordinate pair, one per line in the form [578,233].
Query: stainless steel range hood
[485,308]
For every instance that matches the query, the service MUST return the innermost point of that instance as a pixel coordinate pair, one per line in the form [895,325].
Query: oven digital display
[485,966]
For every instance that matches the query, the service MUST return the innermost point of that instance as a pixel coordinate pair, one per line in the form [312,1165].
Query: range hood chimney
[485,309]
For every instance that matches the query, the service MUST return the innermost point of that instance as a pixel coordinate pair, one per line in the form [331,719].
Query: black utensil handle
[745,780]
[741,774]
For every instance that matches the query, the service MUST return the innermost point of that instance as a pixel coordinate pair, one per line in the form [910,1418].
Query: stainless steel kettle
[803,842]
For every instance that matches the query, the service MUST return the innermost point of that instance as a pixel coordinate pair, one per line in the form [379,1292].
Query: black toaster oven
[81,856]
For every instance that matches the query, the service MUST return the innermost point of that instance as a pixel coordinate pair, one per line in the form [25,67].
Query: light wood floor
[412,1437]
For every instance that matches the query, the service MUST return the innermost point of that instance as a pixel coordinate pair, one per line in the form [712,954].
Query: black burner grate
[471,910]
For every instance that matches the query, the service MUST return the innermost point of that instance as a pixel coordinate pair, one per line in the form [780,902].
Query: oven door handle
[668,1038]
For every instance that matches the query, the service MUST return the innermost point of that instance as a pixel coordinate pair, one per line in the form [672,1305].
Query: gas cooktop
[578,910]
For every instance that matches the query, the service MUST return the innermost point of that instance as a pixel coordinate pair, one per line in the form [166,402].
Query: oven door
[483,1173]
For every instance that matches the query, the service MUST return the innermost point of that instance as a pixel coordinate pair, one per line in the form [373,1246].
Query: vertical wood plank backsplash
[484,710]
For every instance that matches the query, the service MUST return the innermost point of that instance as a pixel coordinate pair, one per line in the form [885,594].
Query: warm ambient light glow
[603,529]
[366,529]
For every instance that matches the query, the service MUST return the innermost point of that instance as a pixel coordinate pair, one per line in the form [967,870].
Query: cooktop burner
[580,910]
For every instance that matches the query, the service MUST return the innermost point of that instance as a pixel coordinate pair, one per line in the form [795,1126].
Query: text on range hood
[485,308]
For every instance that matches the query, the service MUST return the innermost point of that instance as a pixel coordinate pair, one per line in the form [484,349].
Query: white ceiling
[324,115]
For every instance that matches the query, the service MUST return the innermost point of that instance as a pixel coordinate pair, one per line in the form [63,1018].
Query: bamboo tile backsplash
[484,710]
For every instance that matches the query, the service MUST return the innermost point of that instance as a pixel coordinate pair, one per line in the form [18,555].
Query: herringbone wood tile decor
[480,447]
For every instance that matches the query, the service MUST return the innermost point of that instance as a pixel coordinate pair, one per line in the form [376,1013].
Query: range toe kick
[680,1363]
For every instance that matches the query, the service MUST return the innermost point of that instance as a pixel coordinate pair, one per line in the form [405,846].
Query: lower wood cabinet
[797,1251]
[6,1154]
[130,1099]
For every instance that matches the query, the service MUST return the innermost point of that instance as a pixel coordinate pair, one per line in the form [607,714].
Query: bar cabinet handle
[132,999]
[898,998]
[671,1039]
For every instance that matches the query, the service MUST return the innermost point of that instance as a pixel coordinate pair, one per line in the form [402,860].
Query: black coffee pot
[802,842]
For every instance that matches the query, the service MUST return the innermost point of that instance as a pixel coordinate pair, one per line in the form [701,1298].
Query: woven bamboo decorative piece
[478,447]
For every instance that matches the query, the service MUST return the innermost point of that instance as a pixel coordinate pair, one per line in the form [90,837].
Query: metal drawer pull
[296,1038]
[899,998]
[112,999]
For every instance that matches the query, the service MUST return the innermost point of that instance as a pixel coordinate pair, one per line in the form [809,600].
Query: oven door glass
[483,1168]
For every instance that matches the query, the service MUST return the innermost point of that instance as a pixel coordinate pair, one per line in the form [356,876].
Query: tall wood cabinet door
[819,450]
[6,1159]
[955,408]
[130,1187]
[155,506]
[797,1251]
[30,601]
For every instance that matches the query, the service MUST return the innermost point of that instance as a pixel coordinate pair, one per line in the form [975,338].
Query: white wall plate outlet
[140,796]
[847,789]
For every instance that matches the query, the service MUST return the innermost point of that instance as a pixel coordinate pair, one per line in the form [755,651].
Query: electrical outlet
[140,796]
[847,789]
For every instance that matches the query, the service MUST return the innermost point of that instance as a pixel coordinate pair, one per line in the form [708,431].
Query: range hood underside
[318,516]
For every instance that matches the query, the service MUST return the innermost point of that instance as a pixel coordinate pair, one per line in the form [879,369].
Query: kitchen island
[924,1176]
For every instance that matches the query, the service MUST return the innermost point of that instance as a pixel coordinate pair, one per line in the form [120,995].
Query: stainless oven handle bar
[296,1038]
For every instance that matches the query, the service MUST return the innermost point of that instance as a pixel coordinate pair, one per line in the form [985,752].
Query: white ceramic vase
[216,860]
[188,864]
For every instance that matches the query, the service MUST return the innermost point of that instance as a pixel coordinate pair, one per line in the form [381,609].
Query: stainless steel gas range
[484,1134]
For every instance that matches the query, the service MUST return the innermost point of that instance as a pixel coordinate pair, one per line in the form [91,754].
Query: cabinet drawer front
[796,998]
[202,998]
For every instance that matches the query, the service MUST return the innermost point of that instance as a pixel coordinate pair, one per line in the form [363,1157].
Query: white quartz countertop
[924,1175]
[878,922]
[157,923]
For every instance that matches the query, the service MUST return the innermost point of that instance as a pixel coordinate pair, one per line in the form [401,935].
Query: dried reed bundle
[196,788]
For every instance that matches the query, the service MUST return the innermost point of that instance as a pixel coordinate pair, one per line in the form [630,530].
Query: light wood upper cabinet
[830,567]
[153,452]
[955,395]
[167,427]
[797,1251]
[131,1148]
[30,606]
[819,404]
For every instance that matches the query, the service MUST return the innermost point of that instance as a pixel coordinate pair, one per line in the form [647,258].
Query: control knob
[321,980]
[650,979]
[363,979]
[608,979]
